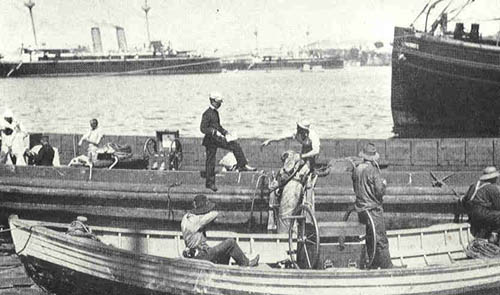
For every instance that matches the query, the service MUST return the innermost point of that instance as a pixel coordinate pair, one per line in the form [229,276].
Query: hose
[257,187]
[374,239]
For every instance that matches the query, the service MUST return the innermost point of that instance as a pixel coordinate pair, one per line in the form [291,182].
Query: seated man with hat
[369,187]
[308,139]
[193,226]
[482,203]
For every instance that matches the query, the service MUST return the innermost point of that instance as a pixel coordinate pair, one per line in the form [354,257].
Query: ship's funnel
[96,39]
[120,37]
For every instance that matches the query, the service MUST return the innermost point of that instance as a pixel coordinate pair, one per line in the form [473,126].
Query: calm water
[350,103]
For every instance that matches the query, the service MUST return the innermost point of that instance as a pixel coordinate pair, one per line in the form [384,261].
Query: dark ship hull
[283,64]
[444,87]
[111,66]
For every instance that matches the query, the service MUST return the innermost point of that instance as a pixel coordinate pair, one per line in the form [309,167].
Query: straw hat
[489,172]
[202,205]
[216,96]
[369,152]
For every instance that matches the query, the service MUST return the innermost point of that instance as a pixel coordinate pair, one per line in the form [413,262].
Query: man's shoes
[254,261]
[212,187]
[247,168]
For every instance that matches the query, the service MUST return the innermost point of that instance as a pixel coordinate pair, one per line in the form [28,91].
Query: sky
[222,26]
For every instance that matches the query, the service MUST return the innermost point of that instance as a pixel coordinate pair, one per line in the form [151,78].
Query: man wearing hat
[218,137]
[13,139]
[482,203]
[369,187]
[193,226]
[308,139]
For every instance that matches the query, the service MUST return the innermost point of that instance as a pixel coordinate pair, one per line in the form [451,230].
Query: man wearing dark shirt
[482,203]
[218,137]
[45,155]
[369,187]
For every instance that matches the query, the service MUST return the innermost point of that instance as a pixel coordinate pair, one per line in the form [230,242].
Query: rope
[253,197]
[23,227]
[481,248]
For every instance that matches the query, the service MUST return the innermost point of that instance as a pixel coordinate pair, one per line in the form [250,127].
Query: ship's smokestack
[120,37]
[96,39]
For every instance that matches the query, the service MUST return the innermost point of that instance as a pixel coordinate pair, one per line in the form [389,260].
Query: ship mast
[146,9]
[256,33]
[30,5]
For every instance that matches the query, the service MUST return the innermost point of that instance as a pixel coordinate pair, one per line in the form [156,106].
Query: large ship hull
[137,66]
[443,87]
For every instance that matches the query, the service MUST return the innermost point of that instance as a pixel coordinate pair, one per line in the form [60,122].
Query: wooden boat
[150,262]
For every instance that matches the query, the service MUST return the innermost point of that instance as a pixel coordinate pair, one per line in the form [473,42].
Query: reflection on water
[346,103]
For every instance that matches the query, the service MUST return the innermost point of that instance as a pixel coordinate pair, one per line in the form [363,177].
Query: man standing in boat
[482,203]
[308,139]
[193,226]
[218,137]
[369,187]
[93,137]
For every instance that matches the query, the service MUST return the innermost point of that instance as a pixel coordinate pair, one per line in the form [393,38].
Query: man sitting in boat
[193,226]
[93,138]
[44,154]
[369,188]
[308,139]
[482,203]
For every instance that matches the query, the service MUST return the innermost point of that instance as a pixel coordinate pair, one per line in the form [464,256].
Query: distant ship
[80,61]
[447,84]
[70,62]
[279,63]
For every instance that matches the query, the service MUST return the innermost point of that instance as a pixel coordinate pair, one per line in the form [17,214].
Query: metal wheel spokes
[304,240]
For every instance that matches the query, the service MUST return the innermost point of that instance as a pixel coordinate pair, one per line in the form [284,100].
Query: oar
[441,183]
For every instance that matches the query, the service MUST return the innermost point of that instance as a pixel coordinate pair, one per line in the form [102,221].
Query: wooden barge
[146,196]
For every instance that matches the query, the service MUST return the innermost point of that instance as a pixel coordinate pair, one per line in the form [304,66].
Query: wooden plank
[345,148]
[398,151]
[479,152]
[451,152]
[424,152]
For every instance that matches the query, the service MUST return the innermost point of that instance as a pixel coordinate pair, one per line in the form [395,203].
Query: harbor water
[353,102]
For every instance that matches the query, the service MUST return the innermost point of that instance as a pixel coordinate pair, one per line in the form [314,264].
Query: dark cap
[201,205]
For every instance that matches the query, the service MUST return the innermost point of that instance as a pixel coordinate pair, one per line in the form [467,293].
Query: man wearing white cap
[306,136]
[369,187]
[482,203]
[13,139]
[218,137]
